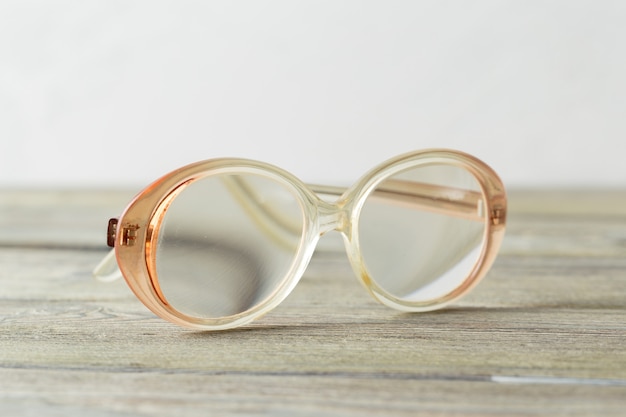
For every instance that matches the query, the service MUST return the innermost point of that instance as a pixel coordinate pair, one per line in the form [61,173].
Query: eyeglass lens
[227,243]
[423,243]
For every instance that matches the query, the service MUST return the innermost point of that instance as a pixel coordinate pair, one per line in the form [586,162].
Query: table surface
[543,334]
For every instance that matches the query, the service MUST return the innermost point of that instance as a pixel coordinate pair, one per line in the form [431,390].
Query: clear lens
[421,231]
[227,243]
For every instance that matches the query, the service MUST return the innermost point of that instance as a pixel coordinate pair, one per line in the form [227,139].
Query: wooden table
[544,333]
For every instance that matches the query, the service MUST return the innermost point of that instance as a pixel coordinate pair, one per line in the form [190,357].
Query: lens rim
[494,198]
[143,217]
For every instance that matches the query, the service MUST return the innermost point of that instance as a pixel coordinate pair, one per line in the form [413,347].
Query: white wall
[120,92]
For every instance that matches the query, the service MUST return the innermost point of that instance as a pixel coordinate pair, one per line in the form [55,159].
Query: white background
[116,93]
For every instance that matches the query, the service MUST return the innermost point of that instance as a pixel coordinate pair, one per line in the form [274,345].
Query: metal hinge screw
[129,233]
[497,216]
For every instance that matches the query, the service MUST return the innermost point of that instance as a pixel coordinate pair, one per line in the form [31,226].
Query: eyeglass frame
[134,235]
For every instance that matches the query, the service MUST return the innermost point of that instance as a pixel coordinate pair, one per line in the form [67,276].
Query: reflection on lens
[421,231]
[226,243]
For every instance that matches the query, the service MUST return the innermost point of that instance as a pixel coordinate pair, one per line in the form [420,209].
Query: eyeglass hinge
[129,233]
[111,232]
[497,216]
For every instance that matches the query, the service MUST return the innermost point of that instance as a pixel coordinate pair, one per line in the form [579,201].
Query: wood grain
[543,334]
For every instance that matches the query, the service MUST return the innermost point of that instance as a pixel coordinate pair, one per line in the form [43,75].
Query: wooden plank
[543,334]
[90,393]
[58,218]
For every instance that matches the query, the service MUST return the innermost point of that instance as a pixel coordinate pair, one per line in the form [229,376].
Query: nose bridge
[332,216]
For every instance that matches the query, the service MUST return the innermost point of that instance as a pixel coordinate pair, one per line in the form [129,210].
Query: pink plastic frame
[134,236]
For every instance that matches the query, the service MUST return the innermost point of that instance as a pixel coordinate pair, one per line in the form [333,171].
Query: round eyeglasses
[218,243]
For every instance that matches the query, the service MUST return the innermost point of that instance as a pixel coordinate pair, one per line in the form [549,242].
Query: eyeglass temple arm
[455,202]
[451,201]
[107,270]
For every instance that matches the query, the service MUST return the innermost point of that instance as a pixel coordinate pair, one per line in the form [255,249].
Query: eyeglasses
[218,243]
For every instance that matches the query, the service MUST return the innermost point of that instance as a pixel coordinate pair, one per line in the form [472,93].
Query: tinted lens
[421,231]
[227,243]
